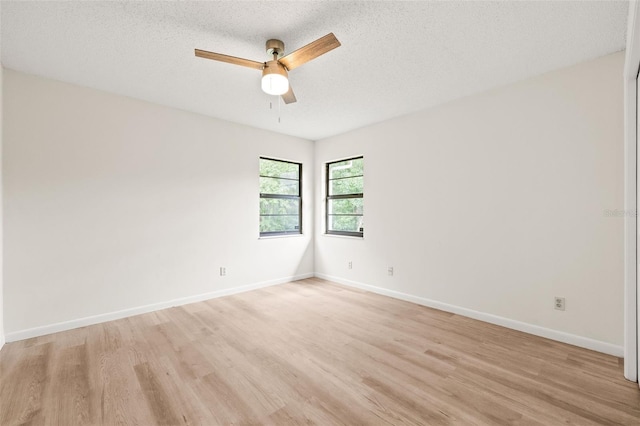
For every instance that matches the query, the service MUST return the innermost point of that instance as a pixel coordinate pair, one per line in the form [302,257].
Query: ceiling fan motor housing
[274,67]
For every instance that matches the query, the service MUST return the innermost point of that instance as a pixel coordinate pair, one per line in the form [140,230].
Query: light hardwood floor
[309,352]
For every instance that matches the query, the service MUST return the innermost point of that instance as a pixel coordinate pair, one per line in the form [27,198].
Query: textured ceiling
[395,58]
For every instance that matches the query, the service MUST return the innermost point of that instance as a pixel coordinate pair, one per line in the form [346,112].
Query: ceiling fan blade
[310,51]
[230,59]
[289,97]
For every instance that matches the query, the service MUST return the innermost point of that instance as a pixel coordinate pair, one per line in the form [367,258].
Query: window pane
[354,185]
[270,185]
[280,197]
[279,169]
[279,206]
[344,200]
[279,224]
[346,223]
[346,168]
[346,206]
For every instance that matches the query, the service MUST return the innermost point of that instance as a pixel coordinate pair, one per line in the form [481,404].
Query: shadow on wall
[304,259]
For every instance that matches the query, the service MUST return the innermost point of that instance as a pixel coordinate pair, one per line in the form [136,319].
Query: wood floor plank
[23,387]
[70,388]
[156,396]
[309,352]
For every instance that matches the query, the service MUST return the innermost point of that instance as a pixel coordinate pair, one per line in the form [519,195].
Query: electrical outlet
[350,265]
[390,271]
[223,271]
[558,303]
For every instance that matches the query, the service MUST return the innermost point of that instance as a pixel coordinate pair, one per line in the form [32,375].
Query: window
[345,188]
[280,197]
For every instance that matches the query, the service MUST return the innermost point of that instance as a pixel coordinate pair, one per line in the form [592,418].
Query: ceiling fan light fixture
[275,79]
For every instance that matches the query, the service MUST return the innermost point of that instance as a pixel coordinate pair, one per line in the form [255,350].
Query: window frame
[282,197]
[328,197]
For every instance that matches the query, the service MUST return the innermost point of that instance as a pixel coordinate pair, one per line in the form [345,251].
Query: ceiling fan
[275,77]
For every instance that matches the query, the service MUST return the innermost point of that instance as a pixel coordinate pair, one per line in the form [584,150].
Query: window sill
[272,237]
[353,237]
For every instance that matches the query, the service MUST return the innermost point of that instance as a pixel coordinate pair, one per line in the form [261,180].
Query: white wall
[113,203]
[2,338]
[496,203]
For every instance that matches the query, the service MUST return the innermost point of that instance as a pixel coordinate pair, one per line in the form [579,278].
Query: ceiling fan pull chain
[279,109]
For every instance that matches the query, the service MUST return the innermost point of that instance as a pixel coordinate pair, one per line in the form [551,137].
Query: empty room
[319,212]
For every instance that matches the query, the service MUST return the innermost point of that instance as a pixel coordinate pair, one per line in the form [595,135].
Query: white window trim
[631,301]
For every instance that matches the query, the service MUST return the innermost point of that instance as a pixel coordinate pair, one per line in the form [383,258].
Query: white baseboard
[110,316]
[2,341]
[560,336]
[548,333]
